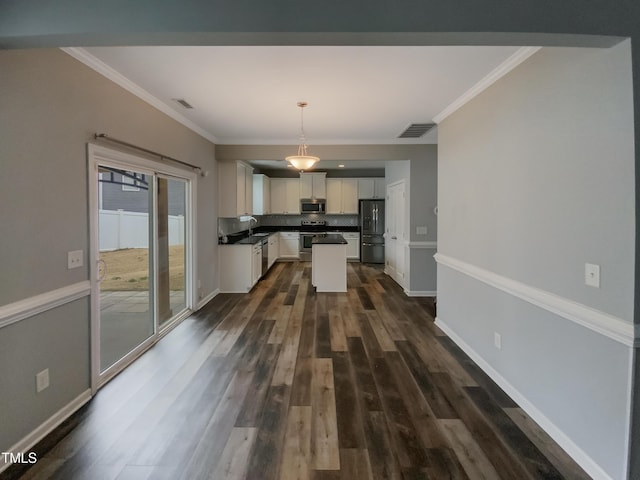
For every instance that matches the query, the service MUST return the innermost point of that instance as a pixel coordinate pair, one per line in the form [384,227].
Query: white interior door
[395,234]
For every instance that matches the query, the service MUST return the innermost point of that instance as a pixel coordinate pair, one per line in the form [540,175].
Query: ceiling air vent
[183,102]
[416,130]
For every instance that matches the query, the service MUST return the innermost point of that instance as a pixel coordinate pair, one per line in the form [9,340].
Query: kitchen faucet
[250,229]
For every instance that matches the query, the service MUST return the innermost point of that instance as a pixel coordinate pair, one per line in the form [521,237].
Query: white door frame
[97,155]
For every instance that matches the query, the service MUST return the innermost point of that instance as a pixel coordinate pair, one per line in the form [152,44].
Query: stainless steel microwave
[313,205]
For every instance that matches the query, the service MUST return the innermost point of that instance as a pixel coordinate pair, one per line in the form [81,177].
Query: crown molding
[496,74]
[105,70]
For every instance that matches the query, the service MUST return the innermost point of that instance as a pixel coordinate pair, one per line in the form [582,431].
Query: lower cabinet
[289,245]
[240,267]
[256,264]
[274,248]
[353,244]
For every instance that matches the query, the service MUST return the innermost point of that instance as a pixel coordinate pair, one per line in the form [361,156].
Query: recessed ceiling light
[341,166]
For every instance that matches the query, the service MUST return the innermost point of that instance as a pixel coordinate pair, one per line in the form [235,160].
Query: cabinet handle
[394,238]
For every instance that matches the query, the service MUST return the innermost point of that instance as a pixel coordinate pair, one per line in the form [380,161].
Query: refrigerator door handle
[375,218]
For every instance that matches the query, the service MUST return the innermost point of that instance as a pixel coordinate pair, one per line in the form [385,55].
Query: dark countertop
[329,239]
[248,240]
[243,238]
[298,228]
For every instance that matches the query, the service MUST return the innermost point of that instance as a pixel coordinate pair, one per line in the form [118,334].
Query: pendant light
[302,161]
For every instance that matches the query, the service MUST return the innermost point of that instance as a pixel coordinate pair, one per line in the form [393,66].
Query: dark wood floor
[287,383]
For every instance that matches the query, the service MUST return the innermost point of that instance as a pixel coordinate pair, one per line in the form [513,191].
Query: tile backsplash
[228,226]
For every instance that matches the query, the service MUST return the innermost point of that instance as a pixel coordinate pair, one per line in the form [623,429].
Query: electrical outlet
[42,380]
[74,259]
[497,340]
[592,275]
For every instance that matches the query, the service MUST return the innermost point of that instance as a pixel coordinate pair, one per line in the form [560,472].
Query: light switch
[74,259]
[421,230]
[592,275]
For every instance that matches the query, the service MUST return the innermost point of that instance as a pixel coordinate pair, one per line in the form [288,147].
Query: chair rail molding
[603,323]
[28,307]
[429,244]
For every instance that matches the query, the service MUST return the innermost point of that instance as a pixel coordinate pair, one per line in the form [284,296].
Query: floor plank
[288,383]
[233,461]
[296,455]
[324,425]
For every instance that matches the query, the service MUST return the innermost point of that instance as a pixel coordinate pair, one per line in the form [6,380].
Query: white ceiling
[356,95]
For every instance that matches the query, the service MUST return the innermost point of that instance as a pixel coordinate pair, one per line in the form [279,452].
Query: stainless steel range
[309,228]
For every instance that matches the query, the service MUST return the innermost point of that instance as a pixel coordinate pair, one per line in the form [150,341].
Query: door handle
[103,274]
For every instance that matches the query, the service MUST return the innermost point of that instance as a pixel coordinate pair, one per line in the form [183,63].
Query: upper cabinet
[261,194]
[313,185]
[342,195]
[235,187]
[371,187]
[285,196]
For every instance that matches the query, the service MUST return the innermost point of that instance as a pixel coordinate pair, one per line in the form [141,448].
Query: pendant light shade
[302,161]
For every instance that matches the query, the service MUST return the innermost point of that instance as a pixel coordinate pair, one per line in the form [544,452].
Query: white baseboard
[574,451]
[28,442]
[207,299]
[419,293]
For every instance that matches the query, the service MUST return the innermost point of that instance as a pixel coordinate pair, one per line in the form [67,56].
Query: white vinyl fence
[120,229]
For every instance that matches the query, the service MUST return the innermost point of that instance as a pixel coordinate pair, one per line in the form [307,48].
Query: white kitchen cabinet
[235,189]
[373,187]
[342,195]
[289,245]
[274,248]
[256,264]
[379,187]
[353,244]
[240,267]
[261,194]
[313,185]
[285,196]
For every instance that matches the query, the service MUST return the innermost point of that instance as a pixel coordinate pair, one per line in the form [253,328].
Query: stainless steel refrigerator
[372,231]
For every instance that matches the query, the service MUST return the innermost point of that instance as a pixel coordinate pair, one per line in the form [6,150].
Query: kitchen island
[329,263]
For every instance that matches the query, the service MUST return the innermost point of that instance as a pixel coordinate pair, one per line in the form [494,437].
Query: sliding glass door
[172,254]
[125,232]
[141,256]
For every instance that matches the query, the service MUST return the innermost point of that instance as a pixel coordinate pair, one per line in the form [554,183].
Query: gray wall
[535,178]
[51,106]
[424,198]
